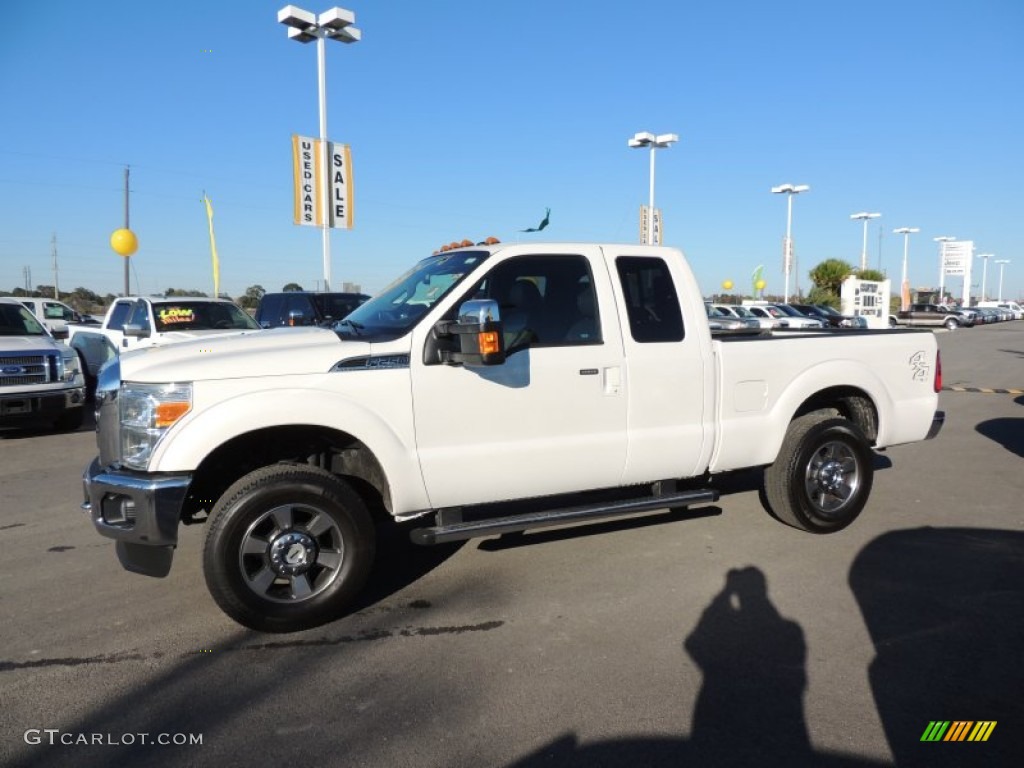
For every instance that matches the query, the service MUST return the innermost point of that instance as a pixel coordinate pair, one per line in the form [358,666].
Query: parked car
[833,318]
[765,320]
[720,320]
[786,315]
[1011,309]
[306,308]
[769,314]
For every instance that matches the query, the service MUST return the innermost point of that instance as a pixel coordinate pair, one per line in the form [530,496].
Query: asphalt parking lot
[714,639]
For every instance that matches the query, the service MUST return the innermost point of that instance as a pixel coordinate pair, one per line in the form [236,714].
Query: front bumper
[139,511]
[39,406]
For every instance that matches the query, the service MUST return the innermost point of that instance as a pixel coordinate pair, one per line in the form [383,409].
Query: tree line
[89,302]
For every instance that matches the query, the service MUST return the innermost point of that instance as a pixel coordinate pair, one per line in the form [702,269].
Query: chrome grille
[108,419]
[20,370]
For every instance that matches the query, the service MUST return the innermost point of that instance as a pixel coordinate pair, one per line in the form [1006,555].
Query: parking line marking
[984,391]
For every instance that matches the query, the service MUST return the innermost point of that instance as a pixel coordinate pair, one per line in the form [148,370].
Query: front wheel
[951,324]
[822,477]
[288,548]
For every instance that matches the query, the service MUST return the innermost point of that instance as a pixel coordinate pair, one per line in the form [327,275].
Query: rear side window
[270,310]
[652,304]
[119,315]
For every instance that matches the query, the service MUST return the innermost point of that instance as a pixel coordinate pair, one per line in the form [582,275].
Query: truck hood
[282,351]
[21,344]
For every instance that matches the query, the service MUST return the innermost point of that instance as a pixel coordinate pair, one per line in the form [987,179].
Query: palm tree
[830,274]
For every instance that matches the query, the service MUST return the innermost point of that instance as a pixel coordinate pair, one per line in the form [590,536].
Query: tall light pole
[661,141]
[787,247]
[904,285]
[305,27]
[865,217]
[984,273]
[942,240]
[1002,263]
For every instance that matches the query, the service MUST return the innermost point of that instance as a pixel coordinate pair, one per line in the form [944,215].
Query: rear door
[670,379]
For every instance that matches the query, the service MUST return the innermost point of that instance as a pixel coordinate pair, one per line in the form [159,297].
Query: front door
[552,418]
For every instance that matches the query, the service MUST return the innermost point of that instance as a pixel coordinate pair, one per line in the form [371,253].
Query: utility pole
[127,287]
[56,290]
[27,274]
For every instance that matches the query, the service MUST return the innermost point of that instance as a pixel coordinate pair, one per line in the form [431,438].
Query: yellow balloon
[124,242]
[760,284]
[727,284]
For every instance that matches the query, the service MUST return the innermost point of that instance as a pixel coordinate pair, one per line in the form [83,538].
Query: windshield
[335,306]
[824,308]
[16,320]
[201,316]
[395,310]
[788,310]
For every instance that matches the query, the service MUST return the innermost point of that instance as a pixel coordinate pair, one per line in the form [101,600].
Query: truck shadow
[399,563]
[945,611]
[1008,432]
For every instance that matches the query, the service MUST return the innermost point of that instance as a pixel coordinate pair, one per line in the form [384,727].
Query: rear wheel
[288,548]
[822,477]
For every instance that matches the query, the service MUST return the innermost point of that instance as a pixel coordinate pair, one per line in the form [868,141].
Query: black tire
[822,477]
[289,546]
[951,324]
[90,380]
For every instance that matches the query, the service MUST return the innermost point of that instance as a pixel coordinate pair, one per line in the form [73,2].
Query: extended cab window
[652,304]
[139,316]
[119,315]
[544,301]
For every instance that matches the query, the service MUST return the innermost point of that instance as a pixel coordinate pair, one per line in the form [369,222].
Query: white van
[54,315]
[1013,306]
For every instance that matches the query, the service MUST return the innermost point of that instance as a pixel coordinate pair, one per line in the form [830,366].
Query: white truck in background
[141,321]
[52,314]
[485,374]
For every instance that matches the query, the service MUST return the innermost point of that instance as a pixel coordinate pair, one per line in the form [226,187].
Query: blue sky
[468,119]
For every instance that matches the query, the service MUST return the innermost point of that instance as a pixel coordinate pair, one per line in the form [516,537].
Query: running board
[459,530]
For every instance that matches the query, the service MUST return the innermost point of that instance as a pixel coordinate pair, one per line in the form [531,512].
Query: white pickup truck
[484,374]
[141,321]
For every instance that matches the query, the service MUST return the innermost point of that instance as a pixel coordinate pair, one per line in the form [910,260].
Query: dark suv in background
[832,317]
[305,308]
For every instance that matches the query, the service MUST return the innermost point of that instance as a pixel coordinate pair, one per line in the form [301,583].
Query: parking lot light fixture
[984,273]
[305,27]
[1002,263]
[904,285]
[661,141]
[787,247]
[865,217]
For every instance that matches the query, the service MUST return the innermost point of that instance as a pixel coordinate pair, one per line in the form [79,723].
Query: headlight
[147,412]
[72,368]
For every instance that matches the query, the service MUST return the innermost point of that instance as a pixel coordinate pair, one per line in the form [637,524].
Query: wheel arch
[851,403]
[331,449]
[231,437]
